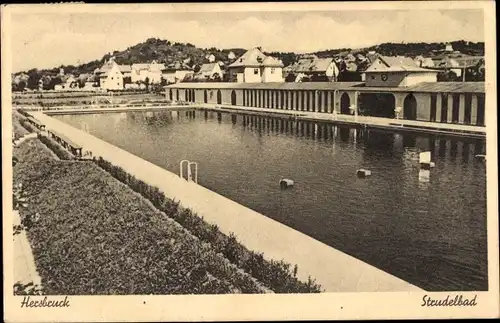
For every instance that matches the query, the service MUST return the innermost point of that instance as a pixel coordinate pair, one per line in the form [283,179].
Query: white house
[110,76]
[397,71]
[255,67]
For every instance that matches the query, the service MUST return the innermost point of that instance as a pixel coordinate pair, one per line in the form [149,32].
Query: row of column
[298,100]
[466,108]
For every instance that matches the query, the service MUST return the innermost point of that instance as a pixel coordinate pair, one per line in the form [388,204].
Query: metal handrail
[189,170]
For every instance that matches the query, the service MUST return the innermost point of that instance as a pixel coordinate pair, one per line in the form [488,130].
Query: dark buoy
[286,183]
[362,173]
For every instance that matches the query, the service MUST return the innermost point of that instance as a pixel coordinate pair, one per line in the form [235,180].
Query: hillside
[410,49]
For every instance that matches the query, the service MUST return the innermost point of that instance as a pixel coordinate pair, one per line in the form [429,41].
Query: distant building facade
[255,67]
[397,71]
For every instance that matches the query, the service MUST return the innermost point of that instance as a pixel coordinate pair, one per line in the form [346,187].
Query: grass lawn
[94,235]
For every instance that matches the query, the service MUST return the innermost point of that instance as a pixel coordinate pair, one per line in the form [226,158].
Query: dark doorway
[345,103]
[455,108]
[480,110]
[233,97]
[171,95]
[410,107]
[219,97]
[193,96]
[468,106]
[433,107]
[205,96]
[444,107]
[377,104]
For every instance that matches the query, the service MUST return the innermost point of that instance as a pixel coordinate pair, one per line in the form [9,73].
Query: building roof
[432,87]
[255,58]
[277,86]
[177,66]
[309,65]
[396,64]
[207,68]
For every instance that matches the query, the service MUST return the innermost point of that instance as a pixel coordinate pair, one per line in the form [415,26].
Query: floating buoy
[425,160]
[480,156]
[285,183]
[363,172]
[425,157]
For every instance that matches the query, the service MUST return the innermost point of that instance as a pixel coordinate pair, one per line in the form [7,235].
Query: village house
[314,68]
[255,67]
[151,71]
[209,71]
[176,72]
[110,76]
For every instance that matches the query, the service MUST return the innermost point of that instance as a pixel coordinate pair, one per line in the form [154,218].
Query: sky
[52,39]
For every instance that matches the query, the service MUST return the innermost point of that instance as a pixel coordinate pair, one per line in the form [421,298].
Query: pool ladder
[189,170]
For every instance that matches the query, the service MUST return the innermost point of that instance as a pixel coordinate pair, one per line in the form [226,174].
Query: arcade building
[392,84]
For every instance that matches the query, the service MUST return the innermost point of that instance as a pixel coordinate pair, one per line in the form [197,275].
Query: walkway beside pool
[334,270]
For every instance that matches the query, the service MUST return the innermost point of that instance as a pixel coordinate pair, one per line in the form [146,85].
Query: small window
[273,70]
[255,71]
[373,77]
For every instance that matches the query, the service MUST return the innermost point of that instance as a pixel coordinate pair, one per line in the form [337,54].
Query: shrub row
[28,126]
[56,148]
[24,113]
[276,275]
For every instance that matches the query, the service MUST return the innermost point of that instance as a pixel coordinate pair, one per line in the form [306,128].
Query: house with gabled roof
[324,69]
[110,76]
[255,67]
[397,71]
[208,71]
[176,72]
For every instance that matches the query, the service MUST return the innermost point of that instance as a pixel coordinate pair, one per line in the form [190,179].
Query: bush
[276,275]
[56,148]
[28,126]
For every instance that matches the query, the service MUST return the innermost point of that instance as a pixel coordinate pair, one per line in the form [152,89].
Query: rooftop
[441,87]
[396,64]
[312,64]
[254,58]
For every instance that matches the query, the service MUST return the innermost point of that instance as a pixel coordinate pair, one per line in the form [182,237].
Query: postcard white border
[255,307]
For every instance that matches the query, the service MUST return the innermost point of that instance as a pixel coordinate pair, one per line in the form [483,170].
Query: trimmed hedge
[24,113]
[276,275]
[28,126]
[56,148]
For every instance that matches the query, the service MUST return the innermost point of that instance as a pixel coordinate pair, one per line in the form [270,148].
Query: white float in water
[425,160]
[363,172]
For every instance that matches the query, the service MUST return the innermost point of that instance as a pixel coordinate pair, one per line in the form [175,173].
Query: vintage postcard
[249,161]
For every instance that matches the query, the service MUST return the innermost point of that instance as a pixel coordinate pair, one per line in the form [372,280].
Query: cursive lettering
[45,302]
[458,300]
